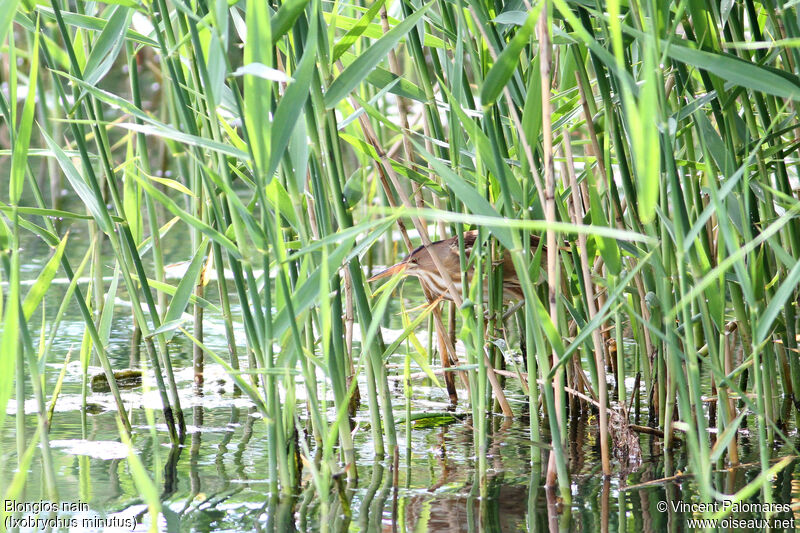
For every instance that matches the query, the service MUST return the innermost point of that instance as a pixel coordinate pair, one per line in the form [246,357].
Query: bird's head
[415,262]
[420,264]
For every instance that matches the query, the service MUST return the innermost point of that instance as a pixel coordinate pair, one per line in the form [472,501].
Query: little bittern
[420,264]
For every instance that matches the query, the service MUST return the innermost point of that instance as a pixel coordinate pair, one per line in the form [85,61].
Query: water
[218,480]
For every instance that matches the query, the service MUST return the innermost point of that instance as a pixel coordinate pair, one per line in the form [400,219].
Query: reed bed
[651,145]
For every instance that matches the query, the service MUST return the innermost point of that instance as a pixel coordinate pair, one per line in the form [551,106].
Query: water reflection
[218,478]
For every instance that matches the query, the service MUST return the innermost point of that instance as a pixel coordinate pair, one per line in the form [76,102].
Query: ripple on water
[98,449]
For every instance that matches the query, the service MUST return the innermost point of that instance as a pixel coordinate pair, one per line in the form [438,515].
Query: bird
[420,264]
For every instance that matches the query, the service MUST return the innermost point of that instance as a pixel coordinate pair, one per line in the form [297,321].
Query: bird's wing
[469,241]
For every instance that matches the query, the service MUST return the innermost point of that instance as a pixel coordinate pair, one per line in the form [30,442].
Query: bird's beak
[391,271]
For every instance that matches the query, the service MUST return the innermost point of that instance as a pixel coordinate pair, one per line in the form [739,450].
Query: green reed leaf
[502,70]
[358,70]
[39,289]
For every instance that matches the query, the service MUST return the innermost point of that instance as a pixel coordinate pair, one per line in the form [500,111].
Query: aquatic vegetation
[212,185]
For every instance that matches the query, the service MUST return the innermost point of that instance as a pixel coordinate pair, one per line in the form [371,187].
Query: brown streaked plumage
[420,265]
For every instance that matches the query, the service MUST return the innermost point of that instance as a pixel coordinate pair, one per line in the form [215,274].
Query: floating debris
[625,441]
[126,379]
